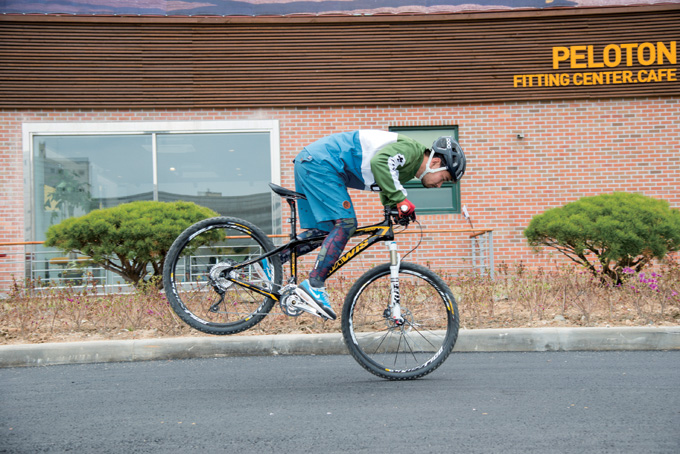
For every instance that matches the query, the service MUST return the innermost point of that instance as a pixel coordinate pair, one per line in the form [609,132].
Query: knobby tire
[411,350]
[187,283]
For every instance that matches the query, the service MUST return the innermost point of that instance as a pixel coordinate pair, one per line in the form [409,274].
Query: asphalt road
[566,402]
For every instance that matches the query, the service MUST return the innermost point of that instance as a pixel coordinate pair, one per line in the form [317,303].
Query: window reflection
[74,175]
[228,172]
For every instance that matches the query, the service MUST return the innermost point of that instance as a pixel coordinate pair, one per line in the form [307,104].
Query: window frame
[30,130]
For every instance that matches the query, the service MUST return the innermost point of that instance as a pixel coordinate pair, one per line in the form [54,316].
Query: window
[78,167]
[445,199]
[228,172]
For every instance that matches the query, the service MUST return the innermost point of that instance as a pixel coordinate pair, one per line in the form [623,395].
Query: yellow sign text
[596,78]
[613,55]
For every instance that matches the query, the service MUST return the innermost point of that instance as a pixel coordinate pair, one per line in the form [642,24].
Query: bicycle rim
[413,349]
[190,276]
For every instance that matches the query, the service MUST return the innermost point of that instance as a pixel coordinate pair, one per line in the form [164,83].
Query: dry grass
[517,297]
[569,296]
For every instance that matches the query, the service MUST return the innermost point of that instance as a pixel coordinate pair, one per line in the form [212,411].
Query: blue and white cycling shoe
[317,298]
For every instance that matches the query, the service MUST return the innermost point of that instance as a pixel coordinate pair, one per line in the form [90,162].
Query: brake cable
[420,239]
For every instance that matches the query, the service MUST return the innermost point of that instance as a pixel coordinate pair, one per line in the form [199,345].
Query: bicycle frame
[399,320]
[380,232]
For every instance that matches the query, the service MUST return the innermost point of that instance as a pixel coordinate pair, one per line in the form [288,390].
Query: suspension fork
[395,296]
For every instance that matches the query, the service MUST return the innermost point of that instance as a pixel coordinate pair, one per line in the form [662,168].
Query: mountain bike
[399,320]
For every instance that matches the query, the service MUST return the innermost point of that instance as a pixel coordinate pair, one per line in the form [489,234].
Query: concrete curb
[479,340]
[569,339]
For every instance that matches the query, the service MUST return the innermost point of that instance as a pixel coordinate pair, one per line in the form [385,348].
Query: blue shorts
[326,191]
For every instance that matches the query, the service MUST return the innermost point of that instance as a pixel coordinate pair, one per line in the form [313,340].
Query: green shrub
[127,238]
[620,230]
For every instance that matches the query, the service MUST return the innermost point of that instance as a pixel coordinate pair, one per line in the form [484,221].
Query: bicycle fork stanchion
[394,307]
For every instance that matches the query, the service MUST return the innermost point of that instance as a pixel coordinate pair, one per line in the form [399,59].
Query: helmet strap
[429,169]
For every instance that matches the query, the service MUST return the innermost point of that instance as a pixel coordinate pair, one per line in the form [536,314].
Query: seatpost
[293,219]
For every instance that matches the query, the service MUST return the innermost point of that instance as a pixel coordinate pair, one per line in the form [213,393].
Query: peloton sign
[607,65]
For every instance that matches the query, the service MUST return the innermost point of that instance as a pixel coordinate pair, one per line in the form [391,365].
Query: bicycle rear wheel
[196,267]
[417,347]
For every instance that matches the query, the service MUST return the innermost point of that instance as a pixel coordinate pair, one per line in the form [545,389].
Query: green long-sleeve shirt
[395,164]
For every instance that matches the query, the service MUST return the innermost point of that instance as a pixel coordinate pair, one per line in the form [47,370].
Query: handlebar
[397,219]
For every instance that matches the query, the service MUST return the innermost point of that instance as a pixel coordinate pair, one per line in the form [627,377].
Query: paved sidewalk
[478,340]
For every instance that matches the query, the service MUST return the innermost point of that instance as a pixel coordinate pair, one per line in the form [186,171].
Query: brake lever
[402,220]
[406,220]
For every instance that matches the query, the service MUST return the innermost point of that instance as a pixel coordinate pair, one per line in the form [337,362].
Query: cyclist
[368,160]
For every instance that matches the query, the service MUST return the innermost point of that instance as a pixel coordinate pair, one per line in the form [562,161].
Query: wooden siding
[128,62]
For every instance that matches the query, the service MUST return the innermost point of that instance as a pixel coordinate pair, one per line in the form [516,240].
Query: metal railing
[466,250]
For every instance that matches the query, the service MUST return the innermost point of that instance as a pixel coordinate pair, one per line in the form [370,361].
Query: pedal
[305,303]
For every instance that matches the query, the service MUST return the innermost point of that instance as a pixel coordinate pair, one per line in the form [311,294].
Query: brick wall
[569,150]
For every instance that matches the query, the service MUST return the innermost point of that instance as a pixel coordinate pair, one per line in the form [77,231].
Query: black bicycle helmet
[452,154]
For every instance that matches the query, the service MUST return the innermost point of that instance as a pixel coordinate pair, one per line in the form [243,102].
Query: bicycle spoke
[382,339]
[420,333]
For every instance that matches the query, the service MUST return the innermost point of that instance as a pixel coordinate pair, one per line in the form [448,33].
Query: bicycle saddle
[286,193]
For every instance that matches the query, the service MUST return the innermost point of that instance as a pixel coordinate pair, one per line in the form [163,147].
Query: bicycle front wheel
[416,347]
[197,271]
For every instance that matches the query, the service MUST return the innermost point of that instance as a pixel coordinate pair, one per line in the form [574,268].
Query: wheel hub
[392,322]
